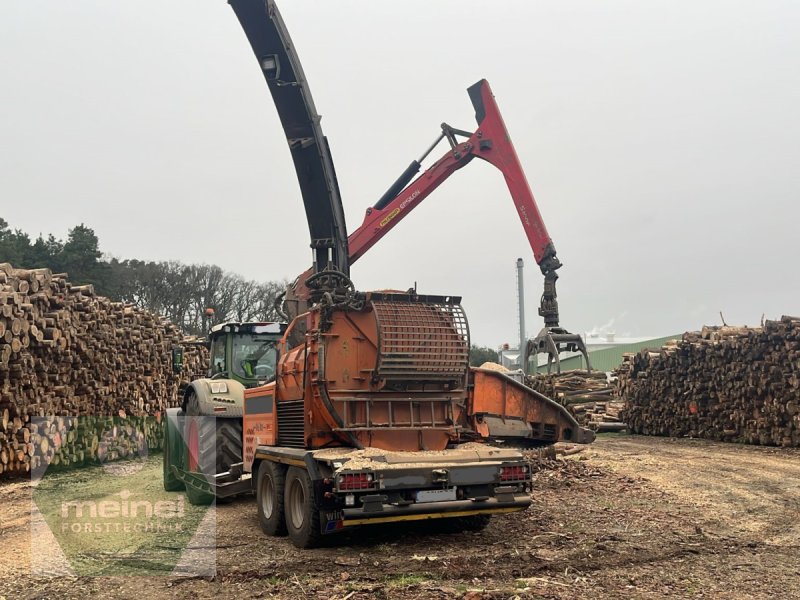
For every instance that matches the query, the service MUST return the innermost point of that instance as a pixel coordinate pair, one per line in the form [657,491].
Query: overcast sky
[660,139]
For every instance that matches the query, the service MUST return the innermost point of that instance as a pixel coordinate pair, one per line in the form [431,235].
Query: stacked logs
[66,352]
[54,442]
[722,383]
[587,395]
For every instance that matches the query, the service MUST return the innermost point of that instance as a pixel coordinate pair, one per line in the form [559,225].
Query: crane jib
[313,163]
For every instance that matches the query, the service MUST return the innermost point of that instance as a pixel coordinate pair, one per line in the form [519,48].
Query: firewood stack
[66,352]
[587,395]
[723,383]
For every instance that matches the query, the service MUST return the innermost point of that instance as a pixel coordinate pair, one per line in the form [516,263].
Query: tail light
[355,481]
[514,473]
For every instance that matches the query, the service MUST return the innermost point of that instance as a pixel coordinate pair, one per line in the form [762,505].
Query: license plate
[436,495]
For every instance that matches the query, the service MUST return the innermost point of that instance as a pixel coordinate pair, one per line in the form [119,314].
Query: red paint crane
[489,142]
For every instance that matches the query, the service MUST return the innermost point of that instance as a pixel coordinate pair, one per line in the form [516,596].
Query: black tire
[228,436]
[229,443]
[200,459]
[300,507]
[270,484]
[200,455]
[171,483]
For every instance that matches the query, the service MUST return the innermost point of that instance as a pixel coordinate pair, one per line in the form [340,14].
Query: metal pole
[521,299]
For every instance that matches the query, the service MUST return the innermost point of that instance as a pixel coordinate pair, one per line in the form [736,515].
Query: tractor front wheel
[200,449]
[171,483]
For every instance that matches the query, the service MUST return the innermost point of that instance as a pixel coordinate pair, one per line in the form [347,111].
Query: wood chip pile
[723,383]
[66,352]
[588,395]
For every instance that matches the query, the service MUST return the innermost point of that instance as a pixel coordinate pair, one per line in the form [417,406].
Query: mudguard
[174,437]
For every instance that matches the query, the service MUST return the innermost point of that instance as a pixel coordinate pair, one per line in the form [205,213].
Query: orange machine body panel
[502,407]
[497,395]
[392,372]
[389,374]
[259,423]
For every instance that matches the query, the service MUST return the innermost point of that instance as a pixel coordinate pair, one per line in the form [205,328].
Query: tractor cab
[245,352]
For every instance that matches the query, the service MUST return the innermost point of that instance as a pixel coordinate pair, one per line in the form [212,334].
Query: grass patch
[406,579]
[117,521]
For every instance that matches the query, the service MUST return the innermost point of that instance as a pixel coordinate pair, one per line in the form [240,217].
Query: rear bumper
[434,510]
[395,480]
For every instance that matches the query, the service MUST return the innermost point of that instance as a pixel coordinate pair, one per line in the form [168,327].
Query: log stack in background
[66,352]
[723,383]
[588,396]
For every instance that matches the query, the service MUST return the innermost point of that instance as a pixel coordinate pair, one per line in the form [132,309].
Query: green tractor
[203,438]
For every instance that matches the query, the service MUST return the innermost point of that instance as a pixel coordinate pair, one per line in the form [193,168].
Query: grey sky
[660,140]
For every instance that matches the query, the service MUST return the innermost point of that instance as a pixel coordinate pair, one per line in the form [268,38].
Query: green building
[605,353]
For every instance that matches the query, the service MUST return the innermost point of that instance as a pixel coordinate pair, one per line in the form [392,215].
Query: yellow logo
[390,216]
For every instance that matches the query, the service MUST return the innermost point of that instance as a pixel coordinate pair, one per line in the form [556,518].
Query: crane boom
[489,142]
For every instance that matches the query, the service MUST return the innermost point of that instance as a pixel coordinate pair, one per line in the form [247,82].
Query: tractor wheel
[270,486]
[171,483]
[302,513]
[228,436]
[200,437]
[229,443]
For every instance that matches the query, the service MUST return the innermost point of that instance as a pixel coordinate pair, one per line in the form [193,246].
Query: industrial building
[605,352]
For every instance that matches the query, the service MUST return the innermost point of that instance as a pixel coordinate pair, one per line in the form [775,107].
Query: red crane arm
[379,221]
[490,142]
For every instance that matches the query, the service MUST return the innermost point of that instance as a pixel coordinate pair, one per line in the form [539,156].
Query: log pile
[723,383]
[588,396]
[66,352]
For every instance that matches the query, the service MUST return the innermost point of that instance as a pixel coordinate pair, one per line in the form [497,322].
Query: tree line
[181,292]
[482,354]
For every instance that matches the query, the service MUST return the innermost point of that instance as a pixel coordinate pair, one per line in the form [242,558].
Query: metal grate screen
[421,340]
[291,424]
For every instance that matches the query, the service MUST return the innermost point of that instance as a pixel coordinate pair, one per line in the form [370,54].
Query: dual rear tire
[287,505]
[270,483]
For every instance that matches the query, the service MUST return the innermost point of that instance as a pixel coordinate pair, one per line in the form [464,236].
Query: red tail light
[515,473]
[355,481]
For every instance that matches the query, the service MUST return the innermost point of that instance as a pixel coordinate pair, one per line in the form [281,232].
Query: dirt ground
[632,517]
